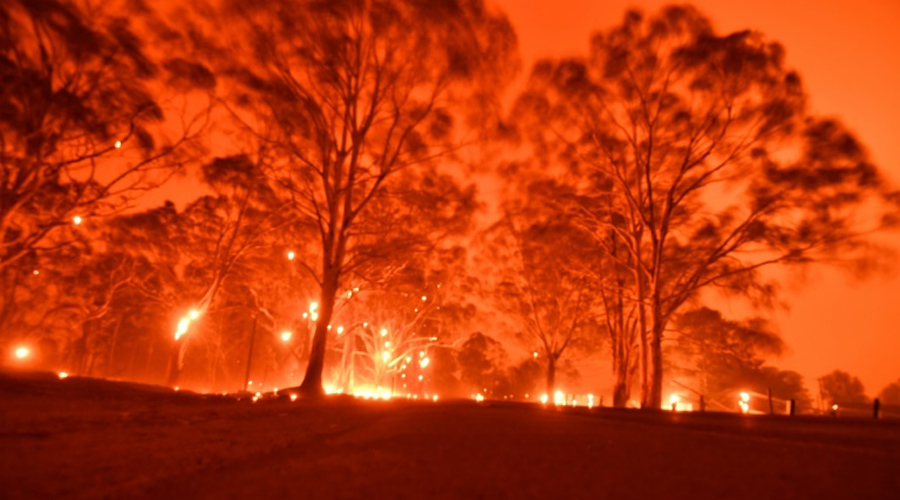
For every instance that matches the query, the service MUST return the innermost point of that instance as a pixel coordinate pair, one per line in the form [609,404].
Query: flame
[63,375]
[22,352]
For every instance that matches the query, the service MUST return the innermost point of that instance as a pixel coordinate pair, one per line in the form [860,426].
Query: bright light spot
[329,389]
[194,314]
[340,330]
[434,398]
[479,397]
[590,400]
[275,390]
[182,328]
[834,407]
[421,354]
[176,388]
[63,375]
[35,272]
[745,397]
[356,289]
[384,332]
[387,343]
[424,298]
[22,352]
[291,255]
[424,362]
[305,315]
[421,377]
[385,356]
[535,354]
[118,144]
[314,316]
[559,398]
[674,398]
[349,294]
[409,359]
[77,220]
[365,324]
[544,399]
[249,382]
[293,397]
[255,398]
[313,306]
[285,336]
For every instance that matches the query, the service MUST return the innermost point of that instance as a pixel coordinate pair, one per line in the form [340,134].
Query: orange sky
[848,53]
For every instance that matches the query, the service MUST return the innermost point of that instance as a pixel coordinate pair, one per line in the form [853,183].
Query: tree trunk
[551,376]
[654,397]
[312,380]
[622,381]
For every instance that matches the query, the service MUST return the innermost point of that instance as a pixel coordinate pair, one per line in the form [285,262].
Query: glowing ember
[118,144]
[384,332]
[176,388]
[293,397]
[424,362]
[285,336]
[22,352]
[544,399]
[559,398]
[340,330]
[479,397]
[76,220]
[291,255]
[194,314]
[63,375]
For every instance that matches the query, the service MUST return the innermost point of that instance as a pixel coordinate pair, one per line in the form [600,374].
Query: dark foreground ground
[82,438]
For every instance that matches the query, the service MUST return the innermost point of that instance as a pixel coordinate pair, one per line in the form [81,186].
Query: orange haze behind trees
[848,54]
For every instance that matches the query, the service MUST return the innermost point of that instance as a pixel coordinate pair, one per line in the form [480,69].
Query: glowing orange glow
[479,397]
[559,398]
[424,362]
[834,407]
[175,388]
[340,330]
[182,327]
[385,356]
[285,336]
[62,375]
[118,144]
[384,332]
[745,397]
[291,255]
[35,272]
[293,397]
[313,306]
[314,316]
[76,220]
[22,352]
[544,398]
[424,298]
[194,314]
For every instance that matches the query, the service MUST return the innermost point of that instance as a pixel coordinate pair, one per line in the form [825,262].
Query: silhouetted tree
[680,126]
[482,363]
[355,97]
[537,286]
[76,112]
[725,357]
[841,387]
[890,395]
